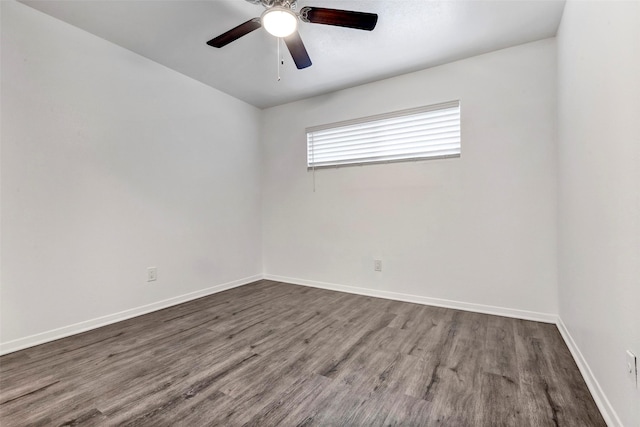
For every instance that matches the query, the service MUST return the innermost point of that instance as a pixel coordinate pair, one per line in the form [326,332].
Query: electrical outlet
[377,265]
[152,274]
[632,367]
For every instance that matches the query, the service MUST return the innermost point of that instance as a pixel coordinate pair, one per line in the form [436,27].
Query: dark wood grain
[269,354]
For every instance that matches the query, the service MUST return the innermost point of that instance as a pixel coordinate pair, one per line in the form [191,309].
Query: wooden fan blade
[340,18]
[235,33]
[298,51]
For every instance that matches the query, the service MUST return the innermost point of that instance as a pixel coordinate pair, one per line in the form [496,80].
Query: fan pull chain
[279,58]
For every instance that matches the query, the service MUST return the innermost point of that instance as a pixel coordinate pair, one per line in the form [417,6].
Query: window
[420,133]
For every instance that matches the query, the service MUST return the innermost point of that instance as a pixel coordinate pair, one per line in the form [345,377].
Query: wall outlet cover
[632,367]
[152,274]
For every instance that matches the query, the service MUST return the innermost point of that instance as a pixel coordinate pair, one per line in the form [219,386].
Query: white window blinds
[420,133]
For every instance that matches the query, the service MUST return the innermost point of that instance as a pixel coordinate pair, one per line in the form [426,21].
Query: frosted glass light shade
[279,21]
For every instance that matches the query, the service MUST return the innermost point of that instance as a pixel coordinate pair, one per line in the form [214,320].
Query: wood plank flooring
[269,354]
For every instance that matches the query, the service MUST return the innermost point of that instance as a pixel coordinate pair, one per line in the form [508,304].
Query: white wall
[480,229]
[599,196]
[112,163]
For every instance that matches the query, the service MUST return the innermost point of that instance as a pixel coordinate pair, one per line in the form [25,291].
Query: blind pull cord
[313,161]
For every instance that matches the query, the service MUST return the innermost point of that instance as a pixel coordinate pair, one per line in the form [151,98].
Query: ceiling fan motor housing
[289,4]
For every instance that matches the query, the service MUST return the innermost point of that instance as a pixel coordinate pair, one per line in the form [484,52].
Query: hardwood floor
[269,354]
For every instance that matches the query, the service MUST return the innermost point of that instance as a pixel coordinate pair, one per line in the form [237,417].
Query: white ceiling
[410,35]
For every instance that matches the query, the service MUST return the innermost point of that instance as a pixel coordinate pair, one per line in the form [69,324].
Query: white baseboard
[459,305]
[65,331]
[607,411]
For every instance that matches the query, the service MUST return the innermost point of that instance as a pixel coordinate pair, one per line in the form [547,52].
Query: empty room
[320,212]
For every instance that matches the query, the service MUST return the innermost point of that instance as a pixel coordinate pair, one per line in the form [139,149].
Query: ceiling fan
[281,20]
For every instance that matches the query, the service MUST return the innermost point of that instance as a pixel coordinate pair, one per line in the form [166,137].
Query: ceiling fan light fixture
[279,21]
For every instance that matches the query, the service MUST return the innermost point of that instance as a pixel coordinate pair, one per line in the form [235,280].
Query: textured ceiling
[410,35]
